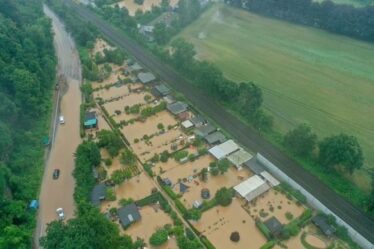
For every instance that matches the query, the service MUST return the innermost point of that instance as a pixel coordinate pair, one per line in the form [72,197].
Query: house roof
[183,187]
[146,77]
[274,225]
[89,116]
[224,149]
[254,165]
[321,222]
[252,187]
[198,120]
[128,214]
[205,130]
[270,179]
[135,67]
[239,157]
[215,137]
[98,194]
[177,107]
[162,90]
[187,124]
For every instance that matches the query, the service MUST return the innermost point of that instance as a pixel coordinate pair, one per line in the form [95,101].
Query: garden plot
[274,203]
[138,187]
[171,163]
[112,92]
[100,46]
[158,144]
[132,7]
[152,218]
[149,126]
[130,99]
[218,223]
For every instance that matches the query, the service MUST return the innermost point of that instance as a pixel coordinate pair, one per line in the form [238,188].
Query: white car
[60,213]
[62,119]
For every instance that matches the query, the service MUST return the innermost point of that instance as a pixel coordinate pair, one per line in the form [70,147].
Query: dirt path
[59,193]
[244,134]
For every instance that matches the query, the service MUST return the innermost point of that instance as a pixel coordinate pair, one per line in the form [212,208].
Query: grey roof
[89,116]
[146,77]
[177,107]
[98,194]
[215,137]
[254,165]
[205,130]
[274,225]
[135,67]
[128,214]
[198,120]
[321,222]
[162,90]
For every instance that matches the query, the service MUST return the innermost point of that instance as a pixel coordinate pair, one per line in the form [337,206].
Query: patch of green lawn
[307,75]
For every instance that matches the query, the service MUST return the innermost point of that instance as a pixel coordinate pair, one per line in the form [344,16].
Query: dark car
[56,173]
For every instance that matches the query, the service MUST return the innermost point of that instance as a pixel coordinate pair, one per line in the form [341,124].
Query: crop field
[307,75]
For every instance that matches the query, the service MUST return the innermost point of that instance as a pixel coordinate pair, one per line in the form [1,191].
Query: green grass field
[355,3]
[307,75]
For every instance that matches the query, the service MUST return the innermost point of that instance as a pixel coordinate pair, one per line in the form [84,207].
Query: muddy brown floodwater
[59,193]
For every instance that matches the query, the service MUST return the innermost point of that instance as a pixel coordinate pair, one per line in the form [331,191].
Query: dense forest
[27,71]
[337,18]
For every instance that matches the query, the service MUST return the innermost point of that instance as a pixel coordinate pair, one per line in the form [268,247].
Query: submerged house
[128,214]
[90,120]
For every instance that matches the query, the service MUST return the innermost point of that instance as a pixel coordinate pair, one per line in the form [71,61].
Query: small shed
[34,204]
[98,194]
[167,182]
[161,90]
[134,67]
[205,130]
[274,226]
[222,150]
[270,178]
[215,138]
[128,215]
[177,107]
[146,78]
[251,188]
[90,120]
[187,124]
[239,157]
[321,222]
[183,187]
[199,120]
[169,99]
[197,204]
[205,193]
[254,165]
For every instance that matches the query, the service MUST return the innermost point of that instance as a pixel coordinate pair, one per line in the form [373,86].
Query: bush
[289,216]
[235,237]
[164,156]
[265,231]
[224,196]
[110,195]
[268,245]
[125,202]
[180,155]
[108,161]
[159,237]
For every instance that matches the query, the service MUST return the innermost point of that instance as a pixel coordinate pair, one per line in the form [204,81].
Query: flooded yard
[218,223]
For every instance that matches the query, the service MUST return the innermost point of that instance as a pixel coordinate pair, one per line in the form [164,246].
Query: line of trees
[27,76]
[337,18]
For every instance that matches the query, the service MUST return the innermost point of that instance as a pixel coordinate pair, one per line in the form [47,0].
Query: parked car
[62,119]
[60,213]
[56,174]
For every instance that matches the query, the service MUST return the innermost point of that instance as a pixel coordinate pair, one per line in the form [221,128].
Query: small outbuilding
[177,107]
[223,150]
[274,226]
[134,68]
[254,165]
[183,187]
[34,204]
[198,120]
[205,193]
[98,194]
[215,138]
[90,120]
[251,188]
[187,124]
[169,99]
[205,130]
[128,215]
[161,90]
[239,157]
[321,222]
[146,78]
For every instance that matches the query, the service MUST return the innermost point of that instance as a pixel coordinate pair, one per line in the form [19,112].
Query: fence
[312,201]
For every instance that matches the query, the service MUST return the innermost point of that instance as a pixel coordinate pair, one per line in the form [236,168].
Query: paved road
[59,193]
[241,132]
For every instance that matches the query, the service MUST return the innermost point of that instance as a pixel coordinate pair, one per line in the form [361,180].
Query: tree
[119,176]
[341,150]
[204,174]
[183,55]
[223,165]
[160,33]
[128,158]
[194,214]
[224,196]
[6,141]
[159,237]
[235,236]
[164,156]
[301,140]
[249,99]
[213,168]
[111,141]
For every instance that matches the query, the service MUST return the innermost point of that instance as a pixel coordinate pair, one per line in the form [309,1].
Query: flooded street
[59,193]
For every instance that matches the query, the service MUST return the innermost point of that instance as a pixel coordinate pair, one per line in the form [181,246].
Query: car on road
[56,174]
[60,213]
[62,119]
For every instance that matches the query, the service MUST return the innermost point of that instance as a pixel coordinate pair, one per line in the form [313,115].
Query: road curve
[59,193]
[245,135]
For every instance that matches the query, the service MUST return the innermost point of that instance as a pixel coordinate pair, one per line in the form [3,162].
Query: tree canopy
[224,196]
[301,140]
